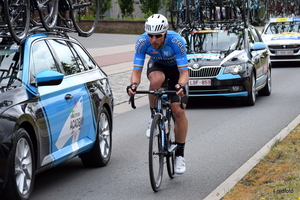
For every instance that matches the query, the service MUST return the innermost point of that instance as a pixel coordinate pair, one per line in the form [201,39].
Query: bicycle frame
[160,138]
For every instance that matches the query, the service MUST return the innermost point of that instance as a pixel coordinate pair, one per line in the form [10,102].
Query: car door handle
[68,96]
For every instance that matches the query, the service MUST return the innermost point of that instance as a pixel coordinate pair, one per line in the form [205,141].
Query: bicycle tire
[156,157]
[85,9]
[262,11]
[245,12]
[175,12]
[189,14]
[17,18]
[170,159]
[48,11]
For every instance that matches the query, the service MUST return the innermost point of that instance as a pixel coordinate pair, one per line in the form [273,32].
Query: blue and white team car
[55,104]
[282,35]
[228,60]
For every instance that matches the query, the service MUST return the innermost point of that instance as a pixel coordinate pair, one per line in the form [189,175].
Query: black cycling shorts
[172,74]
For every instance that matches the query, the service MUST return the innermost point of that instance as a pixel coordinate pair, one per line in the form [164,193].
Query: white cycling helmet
[156,24]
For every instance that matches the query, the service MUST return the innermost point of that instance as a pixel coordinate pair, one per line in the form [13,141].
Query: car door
[67,106]
[263,56]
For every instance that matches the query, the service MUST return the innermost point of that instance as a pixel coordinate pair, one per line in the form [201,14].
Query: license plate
[200,82]
[284,52]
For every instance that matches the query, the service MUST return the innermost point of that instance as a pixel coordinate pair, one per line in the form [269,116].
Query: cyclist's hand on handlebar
[131,89]
[181,91]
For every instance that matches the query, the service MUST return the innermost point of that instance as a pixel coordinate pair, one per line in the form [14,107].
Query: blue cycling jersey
[172,53]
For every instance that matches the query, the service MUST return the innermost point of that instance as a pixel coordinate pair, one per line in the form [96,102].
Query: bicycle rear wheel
[17,17]
[85,16]
[262,11]
[156,157]
[171,148]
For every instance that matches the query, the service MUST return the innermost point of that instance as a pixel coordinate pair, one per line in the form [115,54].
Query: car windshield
[283,27]
[9,67]
[213,41]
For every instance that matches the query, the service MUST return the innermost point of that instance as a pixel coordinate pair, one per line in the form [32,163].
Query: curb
[232,180]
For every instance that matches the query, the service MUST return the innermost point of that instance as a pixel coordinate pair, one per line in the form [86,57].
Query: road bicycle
[73,13]
[257,11]
[279,8]
[191,13]
[162,137]
[19,17]
[180,14]
[194,13]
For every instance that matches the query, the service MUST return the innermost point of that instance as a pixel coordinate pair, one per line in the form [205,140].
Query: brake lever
[131,100]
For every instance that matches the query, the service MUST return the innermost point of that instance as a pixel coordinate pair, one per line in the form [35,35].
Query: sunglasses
[156,36]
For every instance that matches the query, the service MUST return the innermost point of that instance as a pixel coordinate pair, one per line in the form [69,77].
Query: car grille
[292,47]
[208,71]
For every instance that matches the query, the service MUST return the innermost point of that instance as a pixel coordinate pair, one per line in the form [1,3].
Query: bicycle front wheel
[156,157]
[17,17]
[85,16]
[171,147]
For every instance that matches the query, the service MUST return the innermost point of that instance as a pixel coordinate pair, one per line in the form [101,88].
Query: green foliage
[104,6]
[126,7]
[151,7]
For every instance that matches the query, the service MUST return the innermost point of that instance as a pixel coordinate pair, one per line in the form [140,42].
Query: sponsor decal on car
[72,125]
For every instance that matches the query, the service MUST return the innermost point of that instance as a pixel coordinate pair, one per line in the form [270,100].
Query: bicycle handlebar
[155,92]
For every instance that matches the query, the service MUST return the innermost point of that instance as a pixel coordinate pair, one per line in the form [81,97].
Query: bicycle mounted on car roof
[195,13]
[20,18]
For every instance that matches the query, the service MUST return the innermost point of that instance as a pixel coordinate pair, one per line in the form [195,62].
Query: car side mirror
[258,46]
[49,77]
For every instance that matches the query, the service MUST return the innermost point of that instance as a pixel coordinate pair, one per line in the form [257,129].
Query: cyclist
[168,60]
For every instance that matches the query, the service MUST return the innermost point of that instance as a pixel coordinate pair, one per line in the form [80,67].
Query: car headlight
[235,69]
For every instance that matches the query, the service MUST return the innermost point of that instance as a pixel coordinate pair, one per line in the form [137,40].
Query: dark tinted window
[66,58]
[10,67]
[88,62]
[42,58]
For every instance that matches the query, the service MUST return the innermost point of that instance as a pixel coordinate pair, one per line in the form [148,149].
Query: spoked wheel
[245,13]
[48,11]
[171,147]
[176,11]
[156,157]
[262,11]
[190,17]
[17,15]
[85,10]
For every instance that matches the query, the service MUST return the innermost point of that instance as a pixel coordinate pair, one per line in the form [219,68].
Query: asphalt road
[222,136]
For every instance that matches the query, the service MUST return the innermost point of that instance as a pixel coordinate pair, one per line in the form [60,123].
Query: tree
[126,7]
[104,6]
[151,7]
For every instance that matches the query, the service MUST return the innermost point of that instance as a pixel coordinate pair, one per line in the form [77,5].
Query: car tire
[250,100]
[266,90]
[99,155]
[21,168]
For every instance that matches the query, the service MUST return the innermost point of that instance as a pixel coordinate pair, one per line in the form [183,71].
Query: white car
[282,35]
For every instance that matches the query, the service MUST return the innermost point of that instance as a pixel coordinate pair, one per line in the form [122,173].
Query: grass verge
[276,176]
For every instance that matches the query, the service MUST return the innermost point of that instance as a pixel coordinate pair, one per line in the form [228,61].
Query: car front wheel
[21,165]
[250,100]
[266,91]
